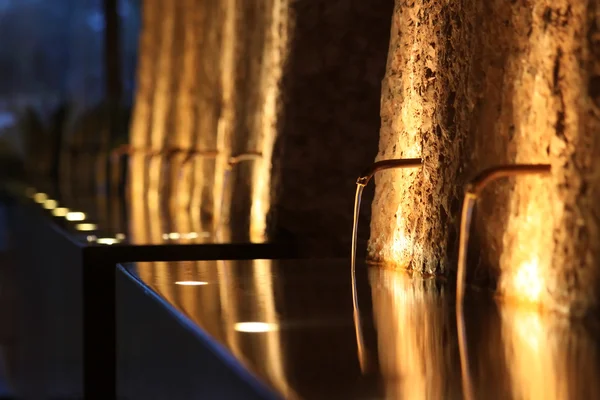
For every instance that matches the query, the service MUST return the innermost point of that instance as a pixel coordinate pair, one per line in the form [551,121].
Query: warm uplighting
[255,327]
[50,204]
[191,283]
[86,227]
[75,216]
[40,197]
[528,282]
[60,211]
[402,247]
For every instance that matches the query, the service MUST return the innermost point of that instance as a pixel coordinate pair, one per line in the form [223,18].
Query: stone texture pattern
[471,85]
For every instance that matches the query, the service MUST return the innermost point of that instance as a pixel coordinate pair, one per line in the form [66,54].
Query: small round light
[60,211]
[191,283]
[255,327]
[107,241]
[120,236]
[86,227]
[40,197]
[75,216]
[50,204]
[174,235]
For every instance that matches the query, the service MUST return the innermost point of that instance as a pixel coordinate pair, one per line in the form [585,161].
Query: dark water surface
[308,345]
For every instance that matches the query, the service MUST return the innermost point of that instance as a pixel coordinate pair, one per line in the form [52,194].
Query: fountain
[361,182]
[474,188]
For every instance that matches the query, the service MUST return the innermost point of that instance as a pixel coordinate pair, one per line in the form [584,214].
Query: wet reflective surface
[291,324]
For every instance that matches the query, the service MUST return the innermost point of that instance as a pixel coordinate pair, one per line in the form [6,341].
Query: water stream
[357,323]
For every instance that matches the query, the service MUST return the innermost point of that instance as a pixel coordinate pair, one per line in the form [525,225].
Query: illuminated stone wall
[208,81]
[298,82]
[470,85]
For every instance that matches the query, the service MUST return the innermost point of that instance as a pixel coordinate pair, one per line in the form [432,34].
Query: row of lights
[71,216]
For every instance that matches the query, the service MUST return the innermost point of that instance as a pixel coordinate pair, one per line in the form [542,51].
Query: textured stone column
[471,85]
[208,81]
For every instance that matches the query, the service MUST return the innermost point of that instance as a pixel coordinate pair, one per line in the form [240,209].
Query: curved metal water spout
[473,190]
[366,176]
[361,182]
[233,161]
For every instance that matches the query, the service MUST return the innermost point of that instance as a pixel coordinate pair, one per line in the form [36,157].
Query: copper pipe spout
[361,182]
[474,188]
[249,156]
[366,176]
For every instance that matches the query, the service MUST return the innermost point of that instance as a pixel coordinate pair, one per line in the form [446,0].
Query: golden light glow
[120,236]
[50,204]
[191,283]
[60,211]
[402,248]
[528,282]
[174,235]
[75,216]
[255,327]
[40,197]
[107,241]
[411,320]
[86,227]
[549,356]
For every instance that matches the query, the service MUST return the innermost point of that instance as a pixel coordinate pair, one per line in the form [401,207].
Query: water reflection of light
[191,283]
[40,197]
[412,318]
[75,216]
[255,327]
[549,357]
[86,227]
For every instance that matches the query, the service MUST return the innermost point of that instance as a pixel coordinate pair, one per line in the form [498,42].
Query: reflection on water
[549,358]
[416,336]
[243,319]
[291,323]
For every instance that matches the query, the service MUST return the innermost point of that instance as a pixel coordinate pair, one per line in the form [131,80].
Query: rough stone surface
[471,85]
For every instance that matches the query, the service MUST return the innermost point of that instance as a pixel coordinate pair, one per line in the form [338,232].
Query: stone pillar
[471,85]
